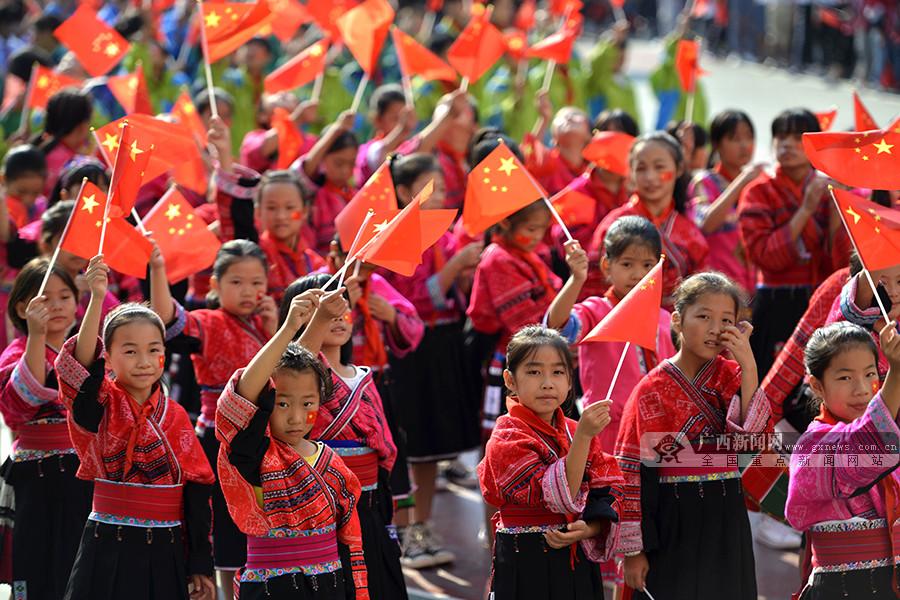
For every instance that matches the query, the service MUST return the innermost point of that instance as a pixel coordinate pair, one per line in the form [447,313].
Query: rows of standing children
[258,431]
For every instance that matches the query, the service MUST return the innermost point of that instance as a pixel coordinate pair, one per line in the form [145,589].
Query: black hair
[694,287]
[231,252]
[384,96]
[701,138]
[77,170]
[22,61]
[130,312]
[283,176]
[628,231]
[67,109]
[856,265]
[47,22]
[829,341]
[129,23]
[528,340]
[882,197]
[406,169]
[679,194]
[315,281]
[54,219]
[26,285]
[794,121]
[521,215]
[486,141]
[617,120]
[345,139]
[725,125]
[24,160]
[262,43]
[298,359]
[12,13]
[201,101]
[440,42]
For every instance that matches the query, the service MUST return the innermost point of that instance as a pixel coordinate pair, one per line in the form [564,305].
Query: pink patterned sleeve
[233,412]
[22,396]
[759,414]
[251,150]
[409,328]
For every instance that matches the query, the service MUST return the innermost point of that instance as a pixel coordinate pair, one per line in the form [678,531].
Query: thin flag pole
[359,234]
[62,238]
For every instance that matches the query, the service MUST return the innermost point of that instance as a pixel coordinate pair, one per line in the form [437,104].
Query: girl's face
[571,129]
[62,304]
[281,211]
[241,286]
[890,281]
[338,166]
[626,270]
[26,188]
[137,356]
[527,234]
[542,382]
[296,405]
[654,171]
[849,382]
[460,133]
[406,194]
[386,122]
[736,150]
[789,151]
[339,332]
[700,327]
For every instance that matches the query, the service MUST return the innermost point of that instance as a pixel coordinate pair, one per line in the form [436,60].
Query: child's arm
[545,114]
[160,295]
[331,306]
[254,378]
[466,258]
[219,137]
[37,314]
[312,160]
[737,340]
[449,106]
[399,134]
[561,307]
[594,419]
[890,346]
[97,277]
[721,208]
[305,113]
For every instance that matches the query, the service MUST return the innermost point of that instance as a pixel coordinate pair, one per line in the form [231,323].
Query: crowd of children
[274,426]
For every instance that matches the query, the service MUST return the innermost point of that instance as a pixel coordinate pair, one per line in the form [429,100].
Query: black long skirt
[776,312]
[401,486]
[525,568]
[129,563]
[229,544]
[327,586]
[381,550]
[52,506]
[702,540]
[435,397]
[861,584]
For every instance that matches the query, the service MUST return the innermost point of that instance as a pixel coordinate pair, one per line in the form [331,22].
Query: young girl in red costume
[352,422]
[658,174]
[570,130]
[151,478]
[51,504]
[685,530]
[556,490]
[259,148]
[220,340]
[293,496]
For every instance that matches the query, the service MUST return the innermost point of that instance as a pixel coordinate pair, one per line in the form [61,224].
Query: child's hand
[544,106]
[594,418]
[202,588]
[814,193]
[577,259]
[332,305]
[575,532]
[36,315]
[636,569]
[470,255]
[382,310]
[736,340]
[345,120]
[268,312]
[97,277]
[306,112]
[219,137]
[752,170]
[354,289]
[156,258]
[408,118]
[302,308]
[890,344]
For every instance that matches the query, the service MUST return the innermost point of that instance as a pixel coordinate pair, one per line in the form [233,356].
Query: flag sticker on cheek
[522,240]
[876,385]
[162,361]
[297,215]
[311,417]
[667,176]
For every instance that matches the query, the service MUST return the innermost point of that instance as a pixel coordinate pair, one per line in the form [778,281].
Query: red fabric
[609,150]
[477,47]
[173,143]
[416,59]
[129,169]
[291,15]
[50,436]
[863,160]
[183,239]
[633,318]
[863,120]
[378,195]
[298,71]
[525,16]
[327,12]
[153,502]
[45,83]
[364,466]
[288,552]
[330,200]
[131,92]
[228,25]
[286,265]
[96,45]
[290,139]
[185,113]
[374,352]
[826,119]
[687,64]
[875,230]
[364,29]
[557,47]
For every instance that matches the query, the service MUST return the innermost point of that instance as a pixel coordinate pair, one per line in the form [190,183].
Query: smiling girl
[685,527]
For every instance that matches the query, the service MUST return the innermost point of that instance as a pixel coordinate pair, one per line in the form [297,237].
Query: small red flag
[300,70]
[635,318]
[609,150]
[574,207]
[290,16]
[516,44]
[862,116]
[378,195]
[364,29]
[172,142]
[131,92]
[525,16]
[478,46]
[497,187]
[866,160]
[228,25]
[416,59]
[687,63]
[45,83]
[97,46]
[132,157]
[875,230]
[186,244]
[124,249]
[826,119]
[290,140]
[556,47]
[895,126]
[434,6]
[559,8]
[327,12]
[185,113]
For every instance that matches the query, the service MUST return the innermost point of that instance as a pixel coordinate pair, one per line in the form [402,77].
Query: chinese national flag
[525,16]
[497,187]
[290,140]
[131,92]
[377,194]
[173,143]
[327,12]
[478,46]
[291,15]
[45,83]
[416,59]
[574,207]
[862,116]
[866,160]
[556,47]
[228,25]
[687,64]
[895,126]
[635,318]
[185,113]
[826,119]
[183,239]
[434,6]
[192,174]
[516,44]
[364,28]
[875,230]
[298,71]
[97,46]
[565,7]
[132,158]
[609,151]
[124,248]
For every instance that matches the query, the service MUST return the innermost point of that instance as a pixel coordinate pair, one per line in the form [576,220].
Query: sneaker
[414,552]
[435,546]
[775,535]
[458,473]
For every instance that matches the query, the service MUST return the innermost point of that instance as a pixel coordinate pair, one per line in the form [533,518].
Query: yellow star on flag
[89,204]
[112,49]
[316,50]
[213,19]
[135,150]
[43,82]
[883,147]
[110,142]
[507,165]
[379,227]
[853,213]
[173,211]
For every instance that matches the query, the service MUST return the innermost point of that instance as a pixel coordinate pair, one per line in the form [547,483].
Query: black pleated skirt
[229,544]
[129,563]
[861,584]
[435,397]
[52,506]
[776,312]
[525,568]
[401,486]
[703,545]
[328,586]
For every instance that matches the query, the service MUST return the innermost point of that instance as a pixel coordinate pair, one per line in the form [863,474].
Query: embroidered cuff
[235,407]
[759,413]
[28,388]
[882,420]
[853,313]
[602,547]
[177,326]
[572,329]
[630,538]
[68,369]
[555,487]
[240,182]
[438,300]
[410,329]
